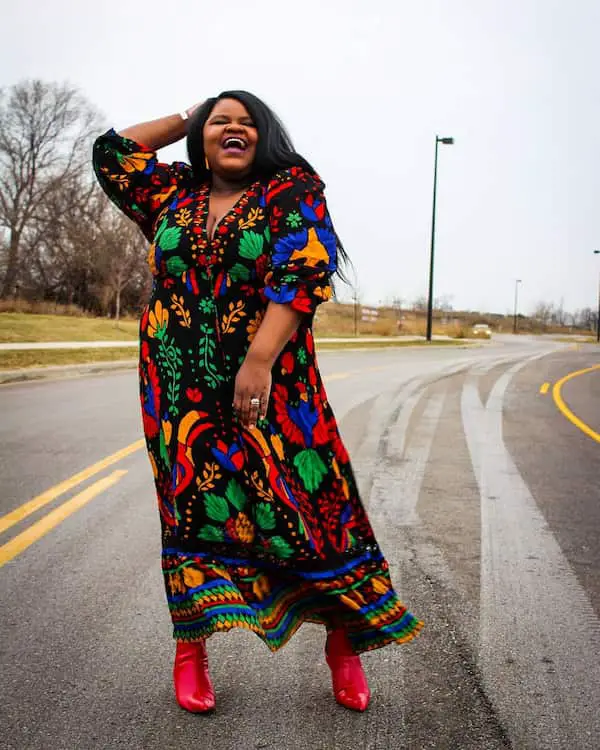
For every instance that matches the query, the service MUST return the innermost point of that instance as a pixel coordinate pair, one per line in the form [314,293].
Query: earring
[206,164]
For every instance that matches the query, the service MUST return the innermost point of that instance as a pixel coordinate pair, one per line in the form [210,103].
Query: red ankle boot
[193,686]
[350,686]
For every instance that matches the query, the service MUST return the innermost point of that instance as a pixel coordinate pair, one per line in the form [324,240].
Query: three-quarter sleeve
[133,178]
[303,243]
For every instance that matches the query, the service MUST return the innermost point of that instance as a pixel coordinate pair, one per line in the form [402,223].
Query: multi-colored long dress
[262,529]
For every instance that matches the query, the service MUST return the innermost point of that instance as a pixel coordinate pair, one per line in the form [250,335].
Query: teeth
[234,142]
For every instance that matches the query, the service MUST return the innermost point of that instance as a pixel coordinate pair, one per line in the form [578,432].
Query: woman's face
[230,139]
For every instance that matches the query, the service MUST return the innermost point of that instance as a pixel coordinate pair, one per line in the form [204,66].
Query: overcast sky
[363,88]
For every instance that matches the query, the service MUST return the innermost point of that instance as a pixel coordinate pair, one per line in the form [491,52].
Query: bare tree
[544,312]
[123,249]
[45,134]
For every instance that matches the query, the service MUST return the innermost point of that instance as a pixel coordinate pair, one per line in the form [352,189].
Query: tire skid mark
[539,639]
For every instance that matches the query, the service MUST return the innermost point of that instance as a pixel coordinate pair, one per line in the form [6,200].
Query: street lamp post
[597,252]
[447,142]
[517,282]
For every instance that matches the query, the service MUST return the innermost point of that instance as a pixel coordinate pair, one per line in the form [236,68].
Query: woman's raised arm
[156,134]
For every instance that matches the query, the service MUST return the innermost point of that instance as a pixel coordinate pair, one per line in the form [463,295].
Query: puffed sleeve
[303,243]
[133,178]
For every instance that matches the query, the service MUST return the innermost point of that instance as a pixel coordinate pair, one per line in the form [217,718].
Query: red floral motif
[290,430]
[320,207]
[287,363]
[302,302]
[231,530]
[194,395]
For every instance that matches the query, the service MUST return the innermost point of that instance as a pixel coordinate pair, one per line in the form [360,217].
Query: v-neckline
[228,216]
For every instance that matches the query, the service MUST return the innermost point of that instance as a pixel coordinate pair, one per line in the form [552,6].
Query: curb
[58,372]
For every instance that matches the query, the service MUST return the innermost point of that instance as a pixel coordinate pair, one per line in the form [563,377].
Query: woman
[262,524]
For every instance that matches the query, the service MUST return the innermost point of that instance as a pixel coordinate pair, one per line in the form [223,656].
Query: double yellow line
[23,540]
[20,542]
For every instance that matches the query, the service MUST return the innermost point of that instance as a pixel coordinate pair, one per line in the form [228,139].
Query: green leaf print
[280,547]
[207,306]
[236,496]
[311,468]
[251,244]
[159,232]
[239,273]
[211,534]
[265,517]
[170,359]
[216,507]
[206,356]
[169,238]
[164,453]
[176,265]
[267,235]
[294,220]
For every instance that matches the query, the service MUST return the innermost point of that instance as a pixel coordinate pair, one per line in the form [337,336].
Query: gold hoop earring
[206,164]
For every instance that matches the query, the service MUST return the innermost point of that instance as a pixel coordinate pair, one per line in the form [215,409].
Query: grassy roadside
[46,357]
[26,327]
[392,343]
[17,360]
[575,339]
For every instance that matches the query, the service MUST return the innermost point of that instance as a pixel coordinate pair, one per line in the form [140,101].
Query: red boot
[350,686]
[193,686]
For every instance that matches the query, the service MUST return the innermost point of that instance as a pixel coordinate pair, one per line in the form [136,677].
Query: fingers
[264,404]
[250,408]
[253,411]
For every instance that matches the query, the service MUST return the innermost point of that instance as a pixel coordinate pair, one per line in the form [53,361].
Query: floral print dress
[262,529]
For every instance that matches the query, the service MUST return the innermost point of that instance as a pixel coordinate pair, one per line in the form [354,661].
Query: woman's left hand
[253,381]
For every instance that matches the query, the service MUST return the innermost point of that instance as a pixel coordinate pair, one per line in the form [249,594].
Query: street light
[517,282]
[447,142]
[597,252]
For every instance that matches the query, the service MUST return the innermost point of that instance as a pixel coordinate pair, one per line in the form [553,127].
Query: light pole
[447,142]
[517,282]
[597,252]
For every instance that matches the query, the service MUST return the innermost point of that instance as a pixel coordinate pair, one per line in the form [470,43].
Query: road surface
[484,494]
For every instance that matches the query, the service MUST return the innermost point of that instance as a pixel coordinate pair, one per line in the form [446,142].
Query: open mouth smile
[234,143]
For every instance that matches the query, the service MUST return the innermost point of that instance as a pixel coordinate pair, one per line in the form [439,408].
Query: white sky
[363,87]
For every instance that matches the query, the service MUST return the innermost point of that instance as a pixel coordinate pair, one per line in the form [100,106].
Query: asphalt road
[485,497]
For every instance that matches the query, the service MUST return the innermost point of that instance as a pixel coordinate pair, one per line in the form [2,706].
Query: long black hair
[274,150]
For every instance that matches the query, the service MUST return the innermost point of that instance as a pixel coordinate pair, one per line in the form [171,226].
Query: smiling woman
[262,524]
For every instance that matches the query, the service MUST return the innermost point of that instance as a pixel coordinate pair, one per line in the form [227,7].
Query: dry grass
[392,343]
[15,360]
[26,327]
[46,357]
[338,320]
[575,339]
[41,308]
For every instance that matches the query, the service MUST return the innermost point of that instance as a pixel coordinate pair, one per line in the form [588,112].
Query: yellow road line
[13,548]
[31,506]
[544,388]
[564,409]
[10,519]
